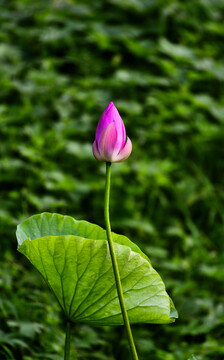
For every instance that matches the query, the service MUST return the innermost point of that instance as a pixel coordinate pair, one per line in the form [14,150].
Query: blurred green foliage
[161,62]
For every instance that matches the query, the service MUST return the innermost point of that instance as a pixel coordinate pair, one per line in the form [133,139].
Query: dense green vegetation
[161,62]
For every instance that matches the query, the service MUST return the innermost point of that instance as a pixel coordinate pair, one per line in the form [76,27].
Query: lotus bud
[111,143]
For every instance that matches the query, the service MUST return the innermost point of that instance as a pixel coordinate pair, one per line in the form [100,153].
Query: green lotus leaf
[74,259]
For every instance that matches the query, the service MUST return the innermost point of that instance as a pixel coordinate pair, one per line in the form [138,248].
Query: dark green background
[162,63]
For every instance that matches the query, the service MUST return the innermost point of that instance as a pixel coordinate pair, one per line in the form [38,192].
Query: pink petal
[108,144]
[96,152]
[125,152]
[106,119]
[121,133]
[109,115]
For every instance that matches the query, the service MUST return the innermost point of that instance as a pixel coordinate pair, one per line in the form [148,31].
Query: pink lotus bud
[111,143]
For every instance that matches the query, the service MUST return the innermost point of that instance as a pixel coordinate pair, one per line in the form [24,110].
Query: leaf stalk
[67,340]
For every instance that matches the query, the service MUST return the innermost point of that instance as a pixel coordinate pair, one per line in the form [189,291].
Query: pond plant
[98,277]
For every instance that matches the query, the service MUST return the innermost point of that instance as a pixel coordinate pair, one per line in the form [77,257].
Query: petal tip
[109,106]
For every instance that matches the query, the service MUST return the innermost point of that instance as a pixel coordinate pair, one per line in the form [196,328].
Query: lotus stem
[115,264]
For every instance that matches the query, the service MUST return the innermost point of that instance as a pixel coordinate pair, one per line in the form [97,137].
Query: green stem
[67,340]
[115,264]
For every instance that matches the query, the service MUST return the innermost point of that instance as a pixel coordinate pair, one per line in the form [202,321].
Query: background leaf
[61,62]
